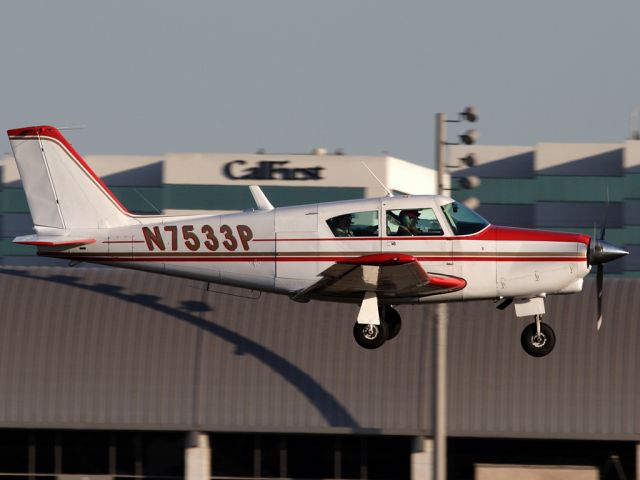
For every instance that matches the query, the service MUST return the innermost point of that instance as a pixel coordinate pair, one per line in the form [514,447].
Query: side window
[358,224]
[413,222]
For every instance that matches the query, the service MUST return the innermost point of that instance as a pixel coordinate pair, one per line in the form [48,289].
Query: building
[557,186]
[117,373]
[111,373]
[197,183]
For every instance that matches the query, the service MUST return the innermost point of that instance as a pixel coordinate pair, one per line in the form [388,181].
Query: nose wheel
[538,338]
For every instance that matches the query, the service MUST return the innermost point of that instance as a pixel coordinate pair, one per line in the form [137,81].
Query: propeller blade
[600,285]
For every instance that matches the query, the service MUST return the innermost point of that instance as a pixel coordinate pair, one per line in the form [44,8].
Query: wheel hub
[539,340]
[370,332]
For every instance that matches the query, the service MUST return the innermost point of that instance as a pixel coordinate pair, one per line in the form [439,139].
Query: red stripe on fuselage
[161,258]
[509,234]
[492,232]
[380,259]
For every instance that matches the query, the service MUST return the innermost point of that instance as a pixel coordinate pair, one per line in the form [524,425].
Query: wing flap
[389,275]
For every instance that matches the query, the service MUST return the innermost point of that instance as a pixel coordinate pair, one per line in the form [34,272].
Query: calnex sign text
[269,170]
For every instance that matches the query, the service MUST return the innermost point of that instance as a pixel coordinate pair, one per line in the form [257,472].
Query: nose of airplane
[601,251]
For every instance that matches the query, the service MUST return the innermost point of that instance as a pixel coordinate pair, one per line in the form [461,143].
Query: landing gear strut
[538,339]
[370,336]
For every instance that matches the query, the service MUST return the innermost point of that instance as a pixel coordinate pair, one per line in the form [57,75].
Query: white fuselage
[285,249]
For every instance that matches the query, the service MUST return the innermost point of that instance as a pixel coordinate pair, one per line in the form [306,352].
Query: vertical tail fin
[62,191]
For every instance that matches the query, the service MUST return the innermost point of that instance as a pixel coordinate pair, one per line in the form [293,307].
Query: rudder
[62,191]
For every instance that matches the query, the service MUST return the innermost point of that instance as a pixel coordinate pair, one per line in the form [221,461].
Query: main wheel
[392,318]
[371,336]
[538,345]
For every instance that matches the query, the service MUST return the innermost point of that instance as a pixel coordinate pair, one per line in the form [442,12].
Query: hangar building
[109,373]
[124,374]
[560,186]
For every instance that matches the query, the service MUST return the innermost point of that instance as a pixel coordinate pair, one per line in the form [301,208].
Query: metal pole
[440,440]
[634,131]
[441,141]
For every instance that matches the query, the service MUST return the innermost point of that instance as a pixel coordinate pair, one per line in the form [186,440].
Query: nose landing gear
[538,339]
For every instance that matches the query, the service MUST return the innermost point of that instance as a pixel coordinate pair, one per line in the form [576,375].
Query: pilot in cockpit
[342,226]
[408,223]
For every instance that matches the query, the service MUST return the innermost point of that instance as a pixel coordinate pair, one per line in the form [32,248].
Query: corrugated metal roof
[587,387]
[109,348]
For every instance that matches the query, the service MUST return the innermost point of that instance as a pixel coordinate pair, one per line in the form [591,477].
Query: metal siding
[513,215]
[88,354]
[632,261]
[578,214]
[295,366]
[579,159]
[14,224]
[631,209]
[494,161]
[109,348]
[586,388]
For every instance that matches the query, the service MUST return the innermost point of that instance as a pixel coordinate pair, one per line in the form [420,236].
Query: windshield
[463,220]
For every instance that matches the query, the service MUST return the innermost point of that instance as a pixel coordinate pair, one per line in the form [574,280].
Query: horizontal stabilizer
[52,240]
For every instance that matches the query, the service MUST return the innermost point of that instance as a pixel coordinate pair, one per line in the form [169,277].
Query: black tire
[392,318]
[538,347]
[371,336]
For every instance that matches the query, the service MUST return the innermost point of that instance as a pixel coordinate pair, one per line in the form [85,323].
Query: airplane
[376,252]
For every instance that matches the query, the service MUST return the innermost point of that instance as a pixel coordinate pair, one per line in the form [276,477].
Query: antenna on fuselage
[260,198]
[389,192]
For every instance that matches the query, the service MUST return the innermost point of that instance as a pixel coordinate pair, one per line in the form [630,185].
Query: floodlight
[469,137]
[469,160]
[470,182]
[470,114]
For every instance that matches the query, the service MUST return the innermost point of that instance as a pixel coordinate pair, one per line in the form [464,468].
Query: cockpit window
[463,220]
[413,222]
[358,224]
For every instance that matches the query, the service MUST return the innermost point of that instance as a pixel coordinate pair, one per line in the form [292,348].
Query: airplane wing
[388,275]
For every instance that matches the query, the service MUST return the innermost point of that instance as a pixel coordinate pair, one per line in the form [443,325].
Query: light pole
[634,129]
[442,316]
[442,319]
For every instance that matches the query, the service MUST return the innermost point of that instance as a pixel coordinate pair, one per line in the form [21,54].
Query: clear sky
[147,77]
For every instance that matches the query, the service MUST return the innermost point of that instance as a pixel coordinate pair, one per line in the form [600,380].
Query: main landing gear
[371,335]
[538,339]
